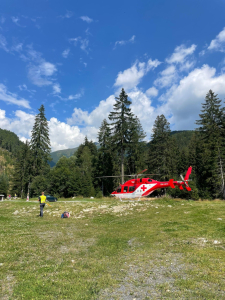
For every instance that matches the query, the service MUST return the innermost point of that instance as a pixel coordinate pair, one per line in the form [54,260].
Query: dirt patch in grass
[149,280]
[7,285]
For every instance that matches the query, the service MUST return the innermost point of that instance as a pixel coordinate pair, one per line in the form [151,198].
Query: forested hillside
[9,141]
[9,148]
[56,155]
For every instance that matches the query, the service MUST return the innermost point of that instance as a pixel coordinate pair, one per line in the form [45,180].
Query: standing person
[42,200]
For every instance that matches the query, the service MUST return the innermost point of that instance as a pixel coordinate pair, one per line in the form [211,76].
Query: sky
[74,57]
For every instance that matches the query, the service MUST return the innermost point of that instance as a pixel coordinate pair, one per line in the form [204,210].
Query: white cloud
[40,74]
[86,19]
[18,47]
[94,118]
[83,43]
[184,101]
[64,136]
[76,96]
[23,87]
[56,88]
[167,77]
[3,43]
[180,54]
[142,107]
[11,98]
[21,124]
[75,40]
[16,21]
[68,15]
[131,77]
[124,42]
[66,53]
[218,43]
[152,92]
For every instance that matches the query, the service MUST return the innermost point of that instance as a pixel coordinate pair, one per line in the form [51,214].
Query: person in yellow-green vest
[42,200]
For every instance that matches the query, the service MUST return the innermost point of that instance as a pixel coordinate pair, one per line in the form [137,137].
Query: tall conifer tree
[40,143]
[105,157]
[136,158]
[120,126]
[163,149]
[22,175]
[212,130]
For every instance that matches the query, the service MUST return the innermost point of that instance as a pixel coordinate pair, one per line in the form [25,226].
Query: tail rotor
[186,179]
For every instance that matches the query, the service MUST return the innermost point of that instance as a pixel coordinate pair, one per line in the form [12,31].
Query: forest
[122,151]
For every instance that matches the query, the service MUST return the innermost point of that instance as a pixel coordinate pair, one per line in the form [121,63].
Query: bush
[99,194]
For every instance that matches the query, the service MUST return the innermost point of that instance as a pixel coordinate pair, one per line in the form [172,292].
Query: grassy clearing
[107,249]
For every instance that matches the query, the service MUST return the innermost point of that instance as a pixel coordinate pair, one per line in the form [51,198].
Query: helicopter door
[125,189]
[131,189]
[119,190]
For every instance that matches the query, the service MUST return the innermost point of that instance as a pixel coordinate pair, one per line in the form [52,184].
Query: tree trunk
[221,174]
[122,166]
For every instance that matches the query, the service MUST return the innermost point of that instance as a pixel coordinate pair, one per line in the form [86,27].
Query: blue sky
[75,56]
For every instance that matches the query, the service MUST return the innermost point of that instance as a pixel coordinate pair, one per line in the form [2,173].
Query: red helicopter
[142,187]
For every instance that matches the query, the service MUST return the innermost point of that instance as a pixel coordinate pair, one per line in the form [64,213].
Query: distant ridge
[66,152]
[183,137]
[57,154]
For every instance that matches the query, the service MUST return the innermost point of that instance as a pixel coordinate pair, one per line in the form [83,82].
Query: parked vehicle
[51,198]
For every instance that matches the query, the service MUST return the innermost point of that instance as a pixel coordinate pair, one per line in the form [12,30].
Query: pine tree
[136,157]
[120,126]
[105,158]
[212,130]
[40,143]
[4,184]
[163,149]
[86,171]
[22,175]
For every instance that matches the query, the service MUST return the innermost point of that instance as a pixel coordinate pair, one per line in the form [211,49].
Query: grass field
[107,249]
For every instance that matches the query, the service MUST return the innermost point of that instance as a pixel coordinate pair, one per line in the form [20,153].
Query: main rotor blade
[109,176]
[124,176]
[141,172]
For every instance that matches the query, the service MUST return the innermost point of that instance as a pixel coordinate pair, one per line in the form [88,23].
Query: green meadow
[108,249]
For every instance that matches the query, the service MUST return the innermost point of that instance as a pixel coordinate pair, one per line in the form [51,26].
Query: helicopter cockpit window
[125,189]
[150,180]
[131,188]
[119,190]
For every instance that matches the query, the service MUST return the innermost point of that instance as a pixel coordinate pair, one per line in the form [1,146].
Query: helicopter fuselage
[141,187]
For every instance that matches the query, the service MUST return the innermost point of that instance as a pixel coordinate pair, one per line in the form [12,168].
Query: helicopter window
[140,179]
[131,188]
[119,190]
[125,189]
[150,180]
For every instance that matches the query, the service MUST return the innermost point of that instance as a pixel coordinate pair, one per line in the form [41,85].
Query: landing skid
[130,200]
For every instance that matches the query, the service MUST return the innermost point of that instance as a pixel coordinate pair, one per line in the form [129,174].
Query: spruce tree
[163,151]
[4,184]
[212,156]
[120,126]
[137,150]
[105,158]
[86,168]
[40,143]
[22,175]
